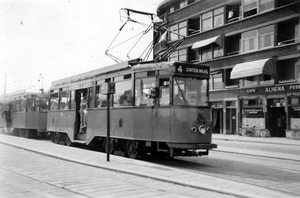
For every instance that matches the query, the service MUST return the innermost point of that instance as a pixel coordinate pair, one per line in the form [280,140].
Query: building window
[233,12]
[206,21]
[265,5]
[206,53]
[178,56]
[249,7]
[250,81]
[288,31]
[266,79]
[266,36]
[250,41]
[216,81]
[233,45]
[217,51]
[288,70]
[177,31]
[258,39]
[194,25]
[218,17]
[230,82]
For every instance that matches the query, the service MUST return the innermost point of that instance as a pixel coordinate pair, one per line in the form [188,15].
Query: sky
[45,40]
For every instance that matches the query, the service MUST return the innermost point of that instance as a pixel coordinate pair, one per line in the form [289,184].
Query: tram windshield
[190,92]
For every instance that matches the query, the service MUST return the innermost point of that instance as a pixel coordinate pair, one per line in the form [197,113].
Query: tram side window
[42,104]
[100,98]
[23,103]
[164,92]
[123,95]
[72,100]
[91,101]
[54,101]
[18,105]
[143,91]
[64,100]
[30,103]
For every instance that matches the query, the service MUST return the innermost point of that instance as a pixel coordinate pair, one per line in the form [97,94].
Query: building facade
[253,49]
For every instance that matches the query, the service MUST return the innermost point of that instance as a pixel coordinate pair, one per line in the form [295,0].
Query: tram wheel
[67,140]
[55,138]
[132,149]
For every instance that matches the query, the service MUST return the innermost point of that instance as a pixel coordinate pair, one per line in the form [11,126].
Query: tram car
[27,113]
[156,108]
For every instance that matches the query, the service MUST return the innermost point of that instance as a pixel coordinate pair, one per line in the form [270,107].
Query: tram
[157,108]
[27,113]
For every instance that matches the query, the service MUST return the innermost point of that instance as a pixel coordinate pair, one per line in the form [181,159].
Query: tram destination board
[192,70]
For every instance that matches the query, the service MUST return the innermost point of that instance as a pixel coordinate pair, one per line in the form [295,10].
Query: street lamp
[41,78]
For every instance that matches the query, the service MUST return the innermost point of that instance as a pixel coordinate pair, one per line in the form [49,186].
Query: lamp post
[41,78]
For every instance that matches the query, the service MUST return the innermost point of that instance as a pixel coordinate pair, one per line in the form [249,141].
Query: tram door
[77,123]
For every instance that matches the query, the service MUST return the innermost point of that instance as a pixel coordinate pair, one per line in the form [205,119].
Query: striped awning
[203,43]
[254,68]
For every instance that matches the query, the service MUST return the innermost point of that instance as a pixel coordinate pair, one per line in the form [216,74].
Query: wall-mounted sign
[192,69]
[293,94]
[275,89]
[249,91]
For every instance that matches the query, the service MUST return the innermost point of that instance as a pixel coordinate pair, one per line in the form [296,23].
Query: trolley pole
[111,89]
[108,128]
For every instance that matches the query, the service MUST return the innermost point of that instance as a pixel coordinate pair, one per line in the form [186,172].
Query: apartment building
[253,49]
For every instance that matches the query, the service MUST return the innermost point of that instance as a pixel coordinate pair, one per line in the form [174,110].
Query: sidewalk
[142,168]
[272,147]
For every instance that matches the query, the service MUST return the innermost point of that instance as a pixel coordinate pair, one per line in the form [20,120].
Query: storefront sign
[293,94]
[251,91]
[294,87]
[275,89]
[253,111]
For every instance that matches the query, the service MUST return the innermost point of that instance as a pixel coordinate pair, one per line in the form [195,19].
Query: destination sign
[192,69]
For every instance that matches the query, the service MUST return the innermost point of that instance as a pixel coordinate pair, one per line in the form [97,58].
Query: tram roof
[23,92]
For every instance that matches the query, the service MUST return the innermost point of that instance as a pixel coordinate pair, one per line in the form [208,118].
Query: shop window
[232,45]
[294,111]
[64,100]
[218,17]
[288,31]
[288,70]
[143,91]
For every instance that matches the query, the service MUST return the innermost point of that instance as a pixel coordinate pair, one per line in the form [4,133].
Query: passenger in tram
[178,100]
[193,100]
[6,114]
[83,113]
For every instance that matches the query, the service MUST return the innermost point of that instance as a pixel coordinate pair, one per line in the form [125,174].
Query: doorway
[217,118]
[79,94]
[276,117]
[231,121]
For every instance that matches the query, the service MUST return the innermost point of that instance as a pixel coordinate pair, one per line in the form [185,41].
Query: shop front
[270,111]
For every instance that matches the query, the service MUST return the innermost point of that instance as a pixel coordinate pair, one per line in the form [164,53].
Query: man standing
[7,116]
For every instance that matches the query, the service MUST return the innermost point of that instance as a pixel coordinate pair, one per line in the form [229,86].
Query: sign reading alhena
[275,89]
[192,69]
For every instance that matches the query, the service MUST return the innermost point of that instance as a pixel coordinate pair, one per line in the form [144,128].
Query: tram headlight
[193,129]
[202,129]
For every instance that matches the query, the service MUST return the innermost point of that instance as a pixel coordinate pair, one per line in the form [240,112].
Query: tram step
[79,142]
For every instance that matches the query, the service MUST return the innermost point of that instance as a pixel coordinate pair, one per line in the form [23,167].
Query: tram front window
[190,91]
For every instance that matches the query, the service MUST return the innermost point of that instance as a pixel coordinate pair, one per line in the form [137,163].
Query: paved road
[28,174]
[149,170]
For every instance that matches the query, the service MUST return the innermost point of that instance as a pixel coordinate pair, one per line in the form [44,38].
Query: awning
[254,68]
[217,39]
